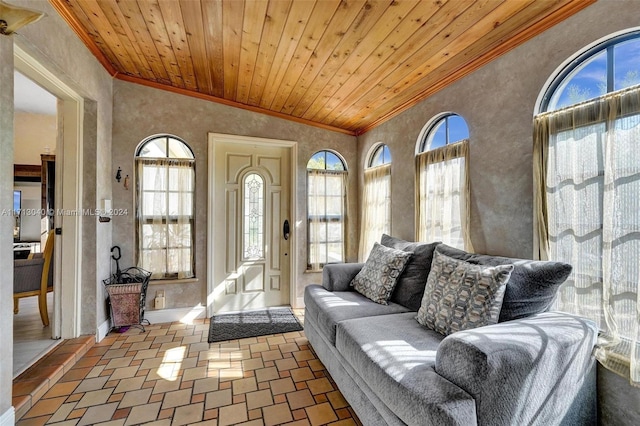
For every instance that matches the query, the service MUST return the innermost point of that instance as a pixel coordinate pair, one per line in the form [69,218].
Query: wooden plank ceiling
[346,65]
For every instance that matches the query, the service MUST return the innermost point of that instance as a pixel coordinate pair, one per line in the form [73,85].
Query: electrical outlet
[159,301]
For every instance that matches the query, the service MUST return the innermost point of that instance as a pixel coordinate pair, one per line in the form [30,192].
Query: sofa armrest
[525,371]
[338,276]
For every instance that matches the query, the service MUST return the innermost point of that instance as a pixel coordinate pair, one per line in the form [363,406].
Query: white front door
[251,203]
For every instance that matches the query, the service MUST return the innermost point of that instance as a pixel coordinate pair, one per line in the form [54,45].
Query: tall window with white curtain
[326,209]
[587,182]
[442,207]
[376,200]
[165,189]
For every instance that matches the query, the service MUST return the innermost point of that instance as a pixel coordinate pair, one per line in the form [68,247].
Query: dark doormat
[252,323]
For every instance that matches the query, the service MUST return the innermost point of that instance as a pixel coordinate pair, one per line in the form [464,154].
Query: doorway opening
[45,142]
[35,142]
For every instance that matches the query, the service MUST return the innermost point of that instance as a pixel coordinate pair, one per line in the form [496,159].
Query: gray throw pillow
[410,286]
[379,275]
[532,286]
[461,296]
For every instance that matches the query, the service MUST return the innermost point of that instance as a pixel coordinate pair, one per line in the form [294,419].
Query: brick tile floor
[170,375]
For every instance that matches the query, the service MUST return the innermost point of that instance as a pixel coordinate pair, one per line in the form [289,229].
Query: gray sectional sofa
[531,368]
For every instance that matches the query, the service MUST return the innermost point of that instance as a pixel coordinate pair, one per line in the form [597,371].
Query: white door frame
[68,197]
[215,138]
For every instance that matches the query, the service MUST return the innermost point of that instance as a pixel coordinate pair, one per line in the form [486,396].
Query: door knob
[285,229]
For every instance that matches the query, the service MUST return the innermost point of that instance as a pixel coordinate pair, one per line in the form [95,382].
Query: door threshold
[33,383]
[30,353]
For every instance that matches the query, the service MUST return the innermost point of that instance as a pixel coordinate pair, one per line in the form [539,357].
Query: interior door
[252,203]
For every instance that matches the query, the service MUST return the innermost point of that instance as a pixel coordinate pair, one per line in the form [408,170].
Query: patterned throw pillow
[460,295]
[379,275]
[411,283]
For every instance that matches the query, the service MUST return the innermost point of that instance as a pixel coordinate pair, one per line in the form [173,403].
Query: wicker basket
[124,300]
[127,291]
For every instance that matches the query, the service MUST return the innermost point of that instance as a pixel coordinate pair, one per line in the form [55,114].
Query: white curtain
[326,192]
[443,196]
[165,217]
[376,208]
[587,172]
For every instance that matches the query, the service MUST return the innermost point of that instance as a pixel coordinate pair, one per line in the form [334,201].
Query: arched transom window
[446,130]
[608,67]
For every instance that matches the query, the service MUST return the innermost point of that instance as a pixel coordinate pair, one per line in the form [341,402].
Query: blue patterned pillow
[377,278]
[460,295]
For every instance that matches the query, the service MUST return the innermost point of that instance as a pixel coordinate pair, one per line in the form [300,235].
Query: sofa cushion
[410,286]
[396,357]
[327,308]
[377,278]
[531,287]
[460,295]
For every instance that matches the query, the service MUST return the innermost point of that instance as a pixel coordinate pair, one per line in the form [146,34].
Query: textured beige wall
[6,224]
[34,134]
[498,103]
[140,112]
[54,45]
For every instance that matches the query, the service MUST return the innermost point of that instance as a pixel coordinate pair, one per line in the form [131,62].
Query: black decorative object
[127,291]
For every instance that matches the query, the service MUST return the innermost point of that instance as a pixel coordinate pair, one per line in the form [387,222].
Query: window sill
[606,353]
[313,271]
[174,281]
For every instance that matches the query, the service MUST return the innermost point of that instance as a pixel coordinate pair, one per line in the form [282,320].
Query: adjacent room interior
[36,136]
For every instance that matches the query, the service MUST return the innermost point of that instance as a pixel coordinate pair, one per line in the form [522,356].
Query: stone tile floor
[170,375]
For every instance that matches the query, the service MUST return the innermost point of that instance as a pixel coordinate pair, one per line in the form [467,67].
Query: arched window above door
[253,217]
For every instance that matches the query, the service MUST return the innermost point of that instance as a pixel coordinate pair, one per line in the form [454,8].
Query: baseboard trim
[299,303]
[8,418]
[185,315]
[103,330]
